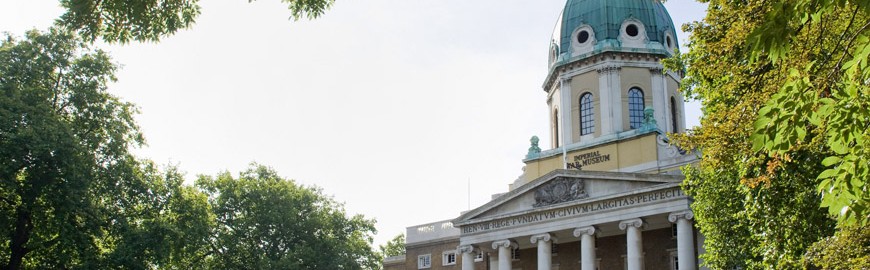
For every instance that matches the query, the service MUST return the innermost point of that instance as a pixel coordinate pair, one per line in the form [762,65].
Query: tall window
[635,107]
[424,261]
[587,121]
[673,115]
[556,128]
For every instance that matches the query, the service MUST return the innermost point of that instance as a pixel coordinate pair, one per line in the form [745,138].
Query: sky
[408,112]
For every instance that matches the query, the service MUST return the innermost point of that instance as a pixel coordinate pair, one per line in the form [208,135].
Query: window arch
[635,107]
[556,128]
[587,121]
[674,118]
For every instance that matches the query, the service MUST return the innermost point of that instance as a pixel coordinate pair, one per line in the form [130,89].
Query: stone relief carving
[561,189]
[668,149]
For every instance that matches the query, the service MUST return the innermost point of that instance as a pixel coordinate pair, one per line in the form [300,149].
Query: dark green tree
[61,135]
[71,194]
[267,222]
[157,222]
[394,247]
[150,20]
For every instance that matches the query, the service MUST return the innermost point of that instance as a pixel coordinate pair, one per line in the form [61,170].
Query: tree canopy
[72,196]
[268,222]
[150,20]
[64,140]
[785,127]
[394,247]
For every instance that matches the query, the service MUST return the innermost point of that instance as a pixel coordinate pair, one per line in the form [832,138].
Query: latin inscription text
[575,210]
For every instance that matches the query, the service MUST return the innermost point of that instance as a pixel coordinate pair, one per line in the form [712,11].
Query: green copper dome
[589,27]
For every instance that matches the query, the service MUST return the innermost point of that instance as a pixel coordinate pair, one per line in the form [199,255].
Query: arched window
[674,118]
[587,121]
[635,107]
[556,128]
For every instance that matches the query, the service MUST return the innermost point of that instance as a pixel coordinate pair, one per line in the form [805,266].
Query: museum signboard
[588,158]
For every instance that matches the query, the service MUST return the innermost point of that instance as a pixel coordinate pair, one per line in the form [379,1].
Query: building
[606,194]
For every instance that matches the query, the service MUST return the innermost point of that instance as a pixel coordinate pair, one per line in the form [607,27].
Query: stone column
[633,243]
[685,239]
[467,252]
[545,250]
[504,248]
[660,99]
[587,247]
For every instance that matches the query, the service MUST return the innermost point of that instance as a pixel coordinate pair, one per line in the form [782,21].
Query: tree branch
[846,49]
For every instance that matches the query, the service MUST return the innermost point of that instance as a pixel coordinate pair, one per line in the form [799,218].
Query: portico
[606,193]
[579,208]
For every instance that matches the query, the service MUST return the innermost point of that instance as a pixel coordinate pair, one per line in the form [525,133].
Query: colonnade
[634,246]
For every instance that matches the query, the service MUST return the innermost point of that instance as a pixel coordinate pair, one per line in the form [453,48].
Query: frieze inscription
[575,210]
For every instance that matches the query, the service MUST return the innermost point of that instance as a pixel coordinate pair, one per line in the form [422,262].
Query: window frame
[424,261]
[445,258]
[636,106]
[556,135]
[674,115]
[587,114]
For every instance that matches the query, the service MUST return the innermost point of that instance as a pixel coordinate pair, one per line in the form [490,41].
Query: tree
[394,247]
[71,194]
[825,93]
[158,222]
[267,222]
[848,249]
[60,131]
[757,196]
[150,20]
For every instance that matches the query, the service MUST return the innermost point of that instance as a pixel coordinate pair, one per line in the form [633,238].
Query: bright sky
[392,107]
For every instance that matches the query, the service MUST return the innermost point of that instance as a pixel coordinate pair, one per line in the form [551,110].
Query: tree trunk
[23,228]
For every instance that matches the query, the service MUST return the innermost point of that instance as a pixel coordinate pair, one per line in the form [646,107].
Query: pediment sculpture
[559,190]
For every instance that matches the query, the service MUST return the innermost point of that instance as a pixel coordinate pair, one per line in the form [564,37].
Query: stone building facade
[606,195]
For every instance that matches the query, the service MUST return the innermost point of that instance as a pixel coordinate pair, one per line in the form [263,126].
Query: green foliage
[172,224]
[268,222]
[61,136]
[394,247]
[848,249]
[73,197]
[149,20]
[756,198]
[826,93]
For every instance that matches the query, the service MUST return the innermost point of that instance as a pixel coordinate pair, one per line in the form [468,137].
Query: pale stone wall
[623,155]
[634,77]
[580,84]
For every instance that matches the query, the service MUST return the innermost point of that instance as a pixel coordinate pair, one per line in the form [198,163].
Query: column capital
[588,230]
[635,222]
[687,215]
[507,243]
[465,249]
[546,237]
[656,70]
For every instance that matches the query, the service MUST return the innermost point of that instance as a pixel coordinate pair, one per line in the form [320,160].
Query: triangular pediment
[561,187]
